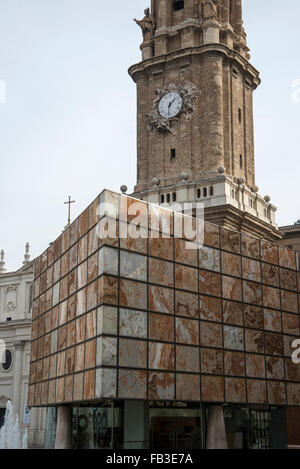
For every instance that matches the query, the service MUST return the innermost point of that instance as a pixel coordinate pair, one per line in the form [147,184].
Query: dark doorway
[2,416]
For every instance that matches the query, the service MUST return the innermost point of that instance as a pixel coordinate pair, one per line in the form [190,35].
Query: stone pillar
[211,30]
[216,432]
[136,425]
[64,428]
[18,370]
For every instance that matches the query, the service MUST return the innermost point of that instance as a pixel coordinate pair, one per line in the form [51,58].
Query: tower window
[162,199]
[178,5]
[240,115]
[168,198]
[241,162]
[211,191]
[174,196]
[205,192]
[198,193]
[234,73]
[173,153]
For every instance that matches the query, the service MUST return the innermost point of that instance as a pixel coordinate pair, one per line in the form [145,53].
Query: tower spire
[27,254]
[2,262]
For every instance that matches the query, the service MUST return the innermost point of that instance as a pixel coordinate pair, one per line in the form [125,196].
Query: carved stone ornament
[160,124]
[11,298]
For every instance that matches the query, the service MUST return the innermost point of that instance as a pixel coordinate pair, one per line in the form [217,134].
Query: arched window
[205,192]
[198,193]
[174,197]
[7,360]
[162,199]
[211,191]
[168,198]
[178,5]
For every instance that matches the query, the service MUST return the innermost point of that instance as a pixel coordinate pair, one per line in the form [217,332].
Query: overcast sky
[68,126]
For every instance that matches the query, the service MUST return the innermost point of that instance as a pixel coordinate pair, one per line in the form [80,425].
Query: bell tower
[195,135]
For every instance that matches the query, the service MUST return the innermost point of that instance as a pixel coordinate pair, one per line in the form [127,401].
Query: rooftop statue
[147,24]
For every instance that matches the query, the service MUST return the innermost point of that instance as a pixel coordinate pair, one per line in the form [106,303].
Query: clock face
[170,105]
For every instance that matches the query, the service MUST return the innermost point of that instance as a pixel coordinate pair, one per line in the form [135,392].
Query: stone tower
[195,139]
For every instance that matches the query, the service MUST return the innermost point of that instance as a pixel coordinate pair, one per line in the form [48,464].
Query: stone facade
[15,332]
[291,236]
[186,47]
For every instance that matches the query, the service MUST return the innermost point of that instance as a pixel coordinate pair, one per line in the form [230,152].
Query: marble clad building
[150,319]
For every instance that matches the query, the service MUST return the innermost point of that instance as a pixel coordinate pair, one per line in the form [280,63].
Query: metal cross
[69,209]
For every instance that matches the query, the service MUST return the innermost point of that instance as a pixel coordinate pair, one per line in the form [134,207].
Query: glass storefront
[176,425]
[98,427]
[173,426]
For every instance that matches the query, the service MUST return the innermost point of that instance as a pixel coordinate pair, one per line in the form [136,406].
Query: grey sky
[68,126]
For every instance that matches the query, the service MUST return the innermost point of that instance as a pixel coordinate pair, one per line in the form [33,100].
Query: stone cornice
[220,49]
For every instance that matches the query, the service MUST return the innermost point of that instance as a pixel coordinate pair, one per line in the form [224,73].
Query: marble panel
[133,294]
[272,320]
[161,356]
[233,338]
[161,272]
[235,390]
[210,309]
[108,290]
[269,252]
[250,247]
[161,300]
[186,278]
[187,387]
[211,335]
[251,269]
[232,288]
[275,368]
[161,248]
[107,321]
[161,386]
[106,383]
[212,389]
[211,361]
[209,259]
[132,353]
[132,384]
[187,359]
[187,331]
[252,293]
[276,393]
[184,255]
[161,327]
[230,241]
[257,391]
[108,262]
[186,304]
[232,313]
[132,323]
[133,266]
[234,363]
[106,351]
[231,264]
[209,283]
[255,365]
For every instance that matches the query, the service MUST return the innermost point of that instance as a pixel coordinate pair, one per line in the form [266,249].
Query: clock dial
[170,105]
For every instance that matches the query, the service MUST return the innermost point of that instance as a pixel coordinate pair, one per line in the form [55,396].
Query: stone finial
[27,254]
[267,199]
[124,189]
[2,262]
